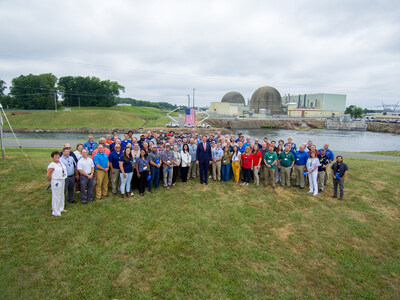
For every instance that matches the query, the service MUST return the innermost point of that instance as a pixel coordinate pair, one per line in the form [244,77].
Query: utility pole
[1,133]
[188,100]
[55,101]
[79,102]
[193,97]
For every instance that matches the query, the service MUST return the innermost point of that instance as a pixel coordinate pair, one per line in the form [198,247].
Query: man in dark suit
[203,159]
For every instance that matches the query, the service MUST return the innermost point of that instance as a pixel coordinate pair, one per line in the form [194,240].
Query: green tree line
[41,91]
[134,102]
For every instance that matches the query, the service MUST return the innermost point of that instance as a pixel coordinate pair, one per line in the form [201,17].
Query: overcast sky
[161,50]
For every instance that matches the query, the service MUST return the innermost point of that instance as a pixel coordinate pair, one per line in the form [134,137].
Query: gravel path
[58,144]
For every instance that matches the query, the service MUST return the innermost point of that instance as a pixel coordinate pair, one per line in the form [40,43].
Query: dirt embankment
[280,124]
[383,127]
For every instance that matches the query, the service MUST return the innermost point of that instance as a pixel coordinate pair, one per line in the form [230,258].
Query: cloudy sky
[161,50]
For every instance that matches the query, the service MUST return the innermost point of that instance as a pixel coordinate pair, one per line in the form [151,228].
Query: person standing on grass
[292,145]
[90,144]
[203,159]
[176,164]
[114,159]
[142,170]
[86,169]
[72,174]
[257,158]
[278,150]
[78,155]
[193,166]
[236,164]
[339,173]
[329,154]
[155,164]
[300,166]
[312,169]
[216,154]
[285,164]
[186,160]
[324,161]
[226,164]
[125,141]
[270,161]
[126,162]
[263,150]
[102,165]
[246,160]
[167,157]
[56,174]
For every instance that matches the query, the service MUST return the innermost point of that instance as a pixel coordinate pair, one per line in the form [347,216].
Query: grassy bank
[219,241]
[111,117]
[387,153]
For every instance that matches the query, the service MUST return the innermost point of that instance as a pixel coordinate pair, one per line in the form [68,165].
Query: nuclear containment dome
[233,97]
[267,99]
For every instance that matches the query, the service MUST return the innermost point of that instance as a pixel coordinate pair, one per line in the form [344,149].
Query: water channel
[349,141]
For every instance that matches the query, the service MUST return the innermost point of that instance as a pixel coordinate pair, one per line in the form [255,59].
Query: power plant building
[315,105]
[232,104]
[266,100]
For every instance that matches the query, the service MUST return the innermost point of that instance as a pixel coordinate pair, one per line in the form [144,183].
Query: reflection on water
[351,141]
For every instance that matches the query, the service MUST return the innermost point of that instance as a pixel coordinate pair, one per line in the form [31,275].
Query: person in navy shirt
[203,159]
[114,158]
[301,158]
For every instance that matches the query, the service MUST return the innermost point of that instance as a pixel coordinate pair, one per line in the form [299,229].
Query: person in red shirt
[246,160]
[257,157]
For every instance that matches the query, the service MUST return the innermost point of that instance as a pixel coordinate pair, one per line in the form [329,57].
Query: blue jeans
[225,172]
[155,175]
[125,182]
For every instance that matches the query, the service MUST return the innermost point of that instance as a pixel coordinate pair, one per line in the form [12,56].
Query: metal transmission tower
[386,107]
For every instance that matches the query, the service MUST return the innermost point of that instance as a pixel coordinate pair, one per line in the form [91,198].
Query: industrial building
[232,104]
[266,100]
[315,105]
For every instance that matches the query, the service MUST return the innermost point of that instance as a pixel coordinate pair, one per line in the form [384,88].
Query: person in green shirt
[285,164]
[270,161]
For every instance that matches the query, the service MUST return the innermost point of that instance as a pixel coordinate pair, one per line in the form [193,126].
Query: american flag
[189,116]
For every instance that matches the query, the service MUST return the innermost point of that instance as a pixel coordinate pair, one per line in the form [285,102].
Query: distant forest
[134,102]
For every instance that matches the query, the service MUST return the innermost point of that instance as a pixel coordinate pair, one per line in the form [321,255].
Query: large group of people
[128,164]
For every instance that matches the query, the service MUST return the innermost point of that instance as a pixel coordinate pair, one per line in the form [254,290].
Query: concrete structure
[233,97]
[224,108]
[268,99]
[316,105]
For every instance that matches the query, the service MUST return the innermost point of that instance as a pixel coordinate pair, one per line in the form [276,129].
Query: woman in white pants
[312,169]
[56,174]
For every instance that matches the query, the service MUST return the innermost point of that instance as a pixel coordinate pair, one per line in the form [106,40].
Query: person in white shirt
[312,169]
[56,174]
[86,169]
[186,160]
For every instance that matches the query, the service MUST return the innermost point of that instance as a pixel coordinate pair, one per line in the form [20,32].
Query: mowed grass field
[218,241]
[111,117]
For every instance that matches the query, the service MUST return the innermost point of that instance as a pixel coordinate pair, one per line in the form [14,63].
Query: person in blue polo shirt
[101,165]
[90,145]
[300,166]
[125,141]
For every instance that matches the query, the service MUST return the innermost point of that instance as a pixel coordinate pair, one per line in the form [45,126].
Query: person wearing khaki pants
[114,168]
[217,155]
[193,168]
[257,158]
[270,161]
[285,164]
[102,165]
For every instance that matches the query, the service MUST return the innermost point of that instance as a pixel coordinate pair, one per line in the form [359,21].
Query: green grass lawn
[387,153]
[111,117]
[218,241]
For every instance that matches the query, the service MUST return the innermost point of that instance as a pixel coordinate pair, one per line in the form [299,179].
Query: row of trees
[160,105]
[41,91]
